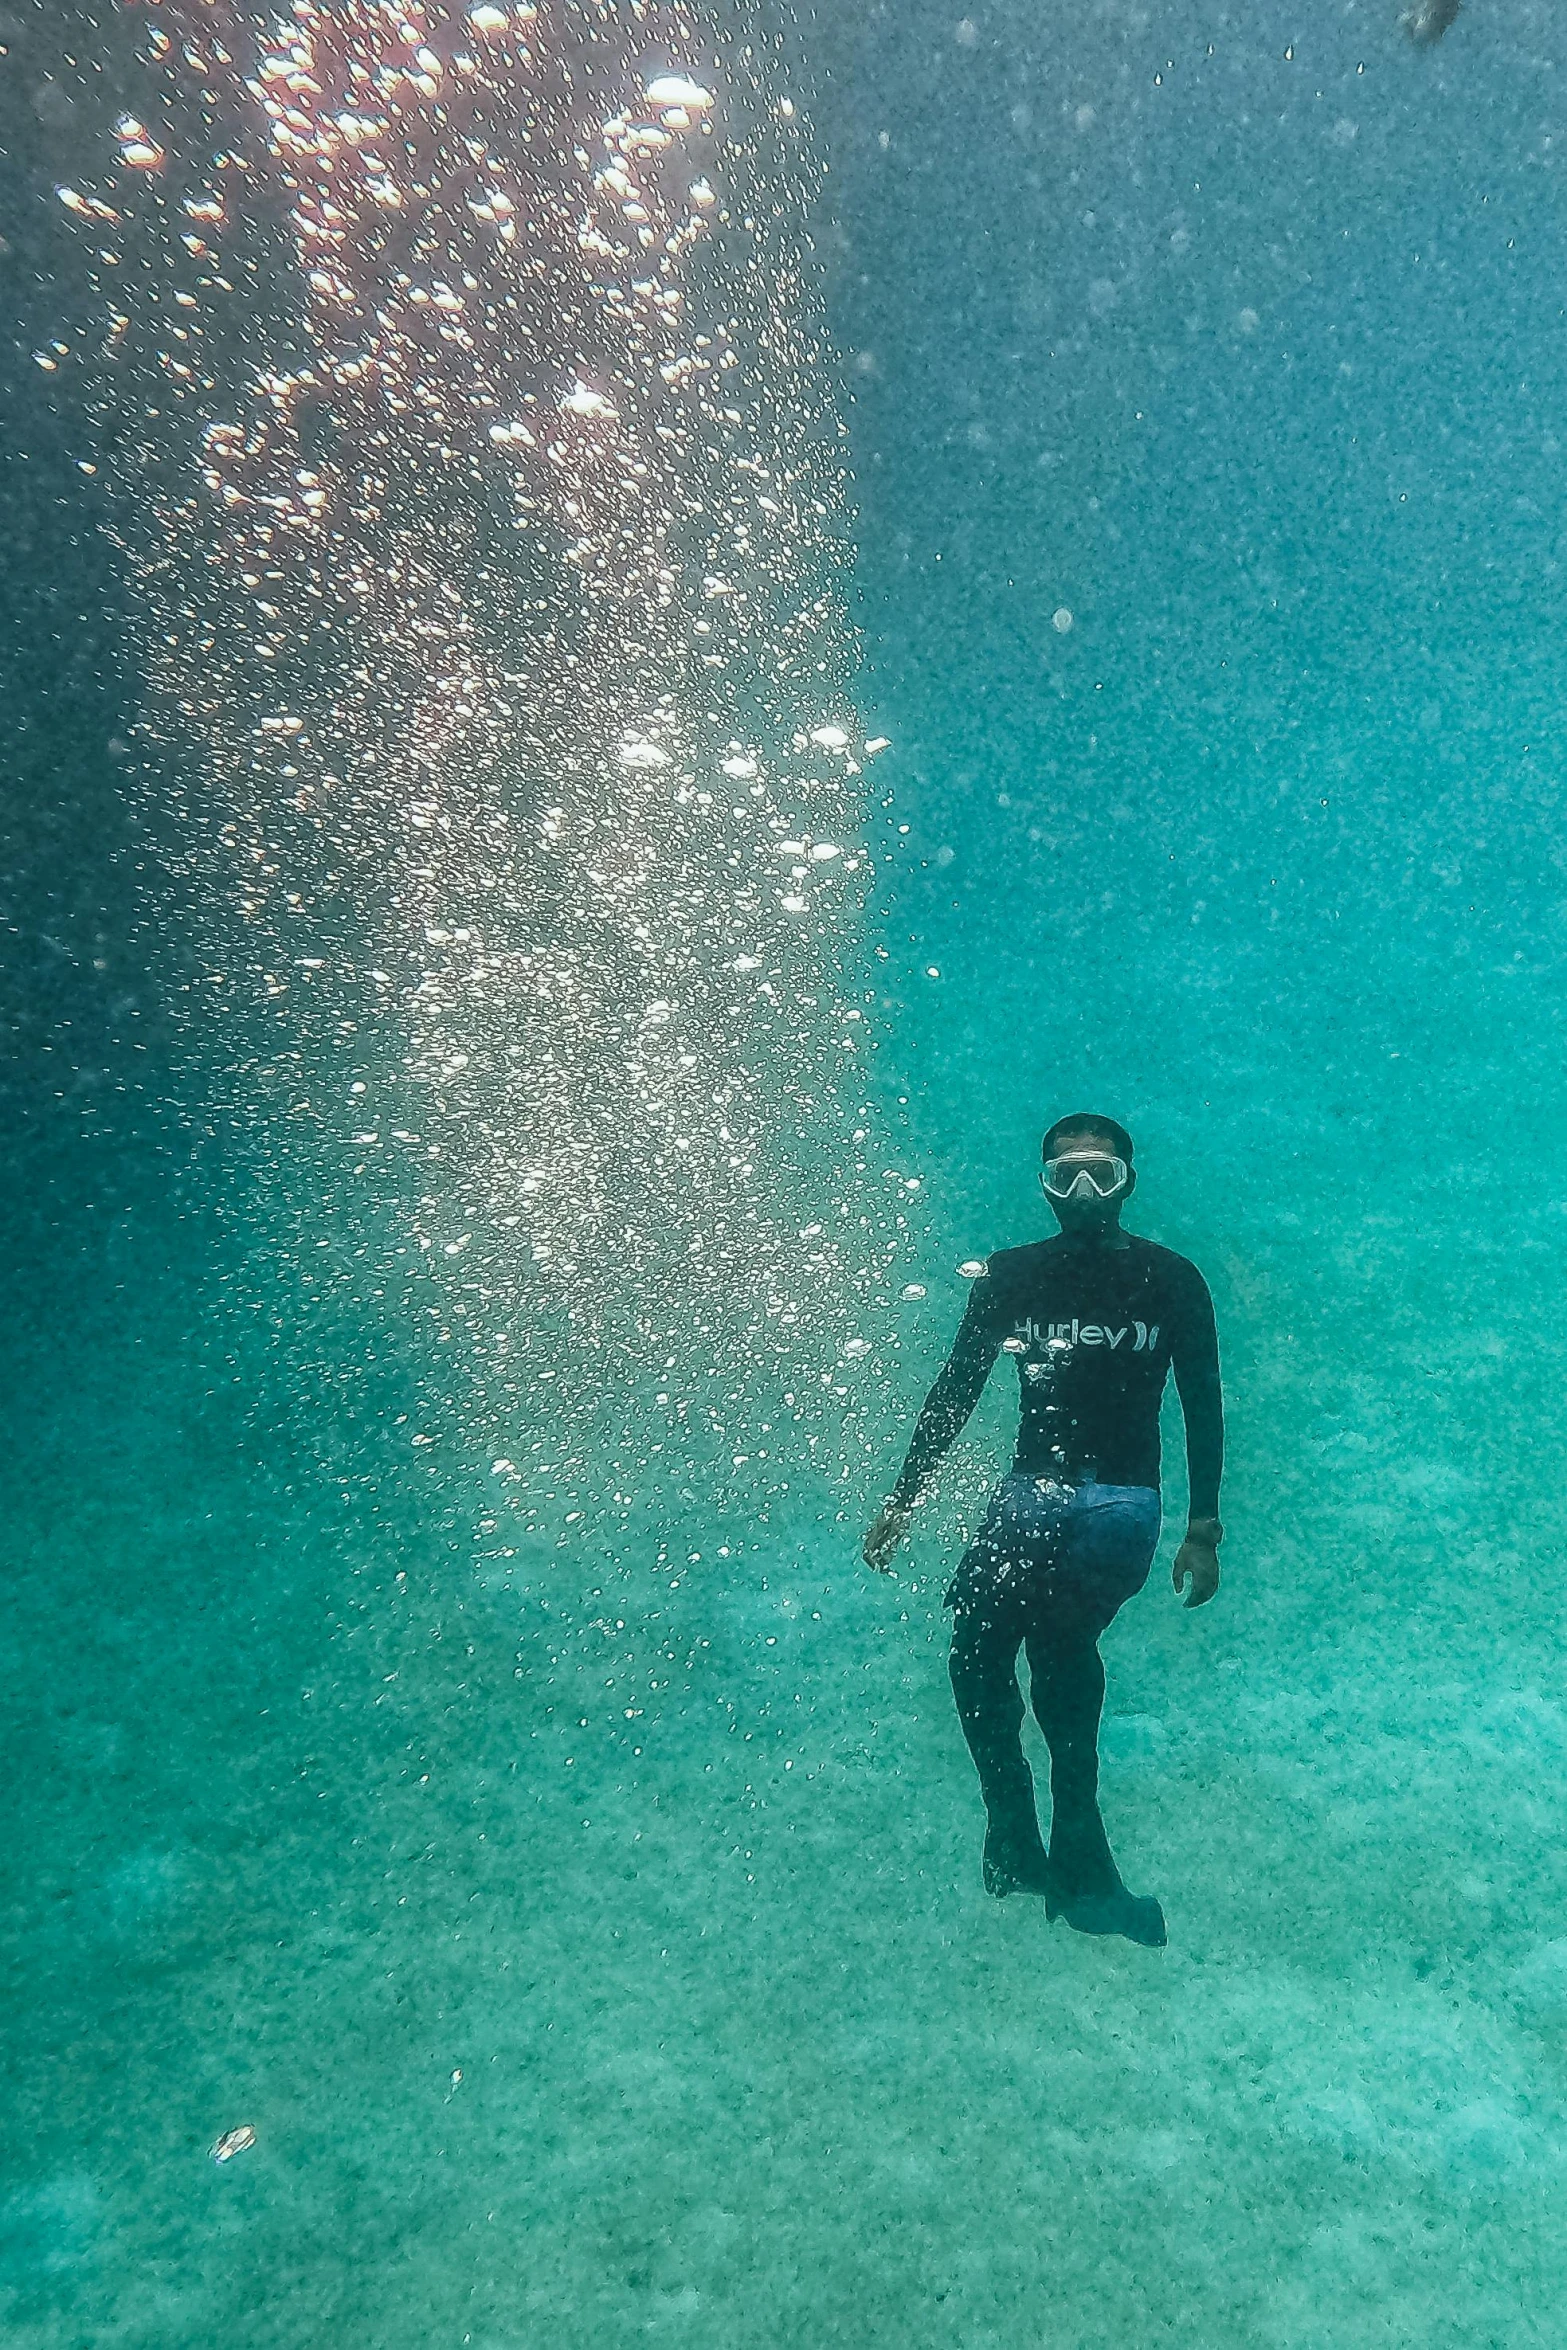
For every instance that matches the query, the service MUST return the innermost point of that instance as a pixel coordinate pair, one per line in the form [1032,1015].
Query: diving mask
[1084,1175]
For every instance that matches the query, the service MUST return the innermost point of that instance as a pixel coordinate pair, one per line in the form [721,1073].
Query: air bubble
[468,851]
[673,89]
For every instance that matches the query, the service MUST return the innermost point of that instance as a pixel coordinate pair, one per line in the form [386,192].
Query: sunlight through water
[489,509]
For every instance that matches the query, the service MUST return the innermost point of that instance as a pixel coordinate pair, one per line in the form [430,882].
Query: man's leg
[987,1598]
[1103,1555]
[983,1666]
[1068,1690]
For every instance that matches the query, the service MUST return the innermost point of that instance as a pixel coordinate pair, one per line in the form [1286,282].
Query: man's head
[1088,1175]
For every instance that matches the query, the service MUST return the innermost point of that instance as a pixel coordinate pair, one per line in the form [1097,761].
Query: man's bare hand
[1200,1561]
[884,1538]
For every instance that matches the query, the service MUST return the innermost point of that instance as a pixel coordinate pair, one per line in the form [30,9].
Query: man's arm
[946,1412]
[1194,1354]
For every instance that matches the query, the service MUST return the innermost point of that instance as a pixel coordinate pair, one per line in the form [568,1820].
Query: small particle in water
[855,1347]
[233,2142]
[972,1269]
[878,742]
[831,738]
[1428,20]
[933,970]
[1061,619]
[912,1290]
[742,770]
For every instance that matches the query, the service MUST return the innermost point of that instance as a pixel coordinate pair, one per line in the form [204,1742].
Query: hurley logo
[1143,1335]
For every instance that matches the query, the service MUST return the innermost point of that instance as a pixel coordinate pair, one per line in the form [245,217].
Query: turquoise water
[585,1914]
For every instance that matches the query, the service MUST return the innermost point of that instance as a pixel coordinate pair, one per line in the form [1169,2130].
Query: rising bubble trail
[488,516]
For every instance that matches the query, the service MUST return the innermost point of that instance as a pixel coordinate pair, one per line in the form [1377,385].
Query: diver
[1095,1318]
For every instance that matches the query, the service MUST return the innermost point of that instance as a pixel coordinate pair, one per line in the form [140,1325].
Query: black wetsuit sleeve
[1194,1355]
[956,1392]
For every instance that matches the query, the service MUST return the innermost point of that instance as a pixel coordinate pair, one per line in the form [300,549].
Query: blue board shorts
[1048,1548]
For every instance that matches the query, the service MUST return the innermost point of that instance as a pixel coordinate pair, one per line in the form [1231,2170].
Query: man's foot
[1136,1916]
[1006,1870]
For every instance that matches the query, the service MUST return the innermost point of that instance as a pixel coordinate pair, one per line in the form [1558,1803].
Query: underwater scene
[716,710]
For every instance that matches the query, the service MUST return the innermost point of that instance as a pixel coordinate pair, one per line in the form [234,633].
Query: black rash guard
[1096,1328]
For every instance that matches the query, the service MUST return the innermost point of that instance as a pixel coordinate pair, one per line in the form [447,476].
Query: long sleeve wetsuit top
[1095,1330]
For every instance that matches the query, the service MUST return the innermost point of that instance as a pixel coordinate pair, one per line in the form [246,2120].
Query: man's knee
[982,1666]
[1066,1682]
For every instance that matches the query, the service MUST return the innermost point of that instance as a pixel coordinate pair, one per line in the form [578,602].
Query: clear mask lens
[1085,1176]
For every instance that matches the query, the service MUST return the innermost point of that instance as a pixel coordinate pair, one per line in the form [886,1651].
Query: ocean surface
[581,1904]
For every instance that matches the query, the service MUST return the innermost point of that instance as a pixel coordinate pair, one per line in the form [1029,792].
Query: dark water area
[590,1928]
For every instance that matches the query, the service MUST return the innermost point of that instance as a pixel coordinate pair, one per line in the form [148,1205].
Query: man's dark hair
[1090,1122]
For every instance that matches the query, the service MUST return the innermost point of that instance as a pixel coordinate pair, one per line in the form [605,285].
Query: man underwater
[1096,1319]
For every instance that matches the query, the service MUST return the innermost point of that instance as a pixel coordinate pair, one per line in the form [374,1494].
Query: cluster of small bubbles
[489,512]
